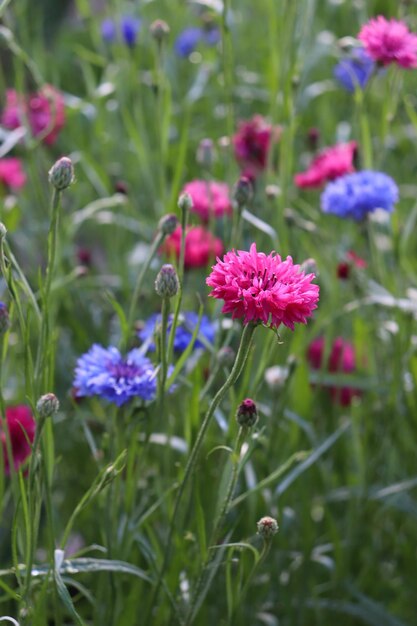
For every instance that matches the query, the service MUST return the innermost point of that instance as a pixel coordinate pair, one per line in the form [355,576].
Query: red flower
[21,426]
[209,198]
[200,246]
[44,110]
[329,164]
[263,289]
[341,359]
[252,143]
[11,173]
[389,41]
[352,260]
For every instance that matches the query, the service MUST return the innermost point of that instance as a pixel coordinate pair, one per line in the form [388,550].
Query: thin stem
[241,357]
[163,351]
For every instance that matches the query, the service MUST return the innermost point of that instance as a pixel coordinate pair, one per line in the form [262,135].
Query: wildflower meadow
[208,312]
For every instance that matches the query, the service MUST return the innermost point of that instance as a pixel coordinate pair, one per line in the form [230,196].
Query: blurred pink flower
[21,425]
[11,173]
[263,289]
[209,198]
[329,164]
[44,111]
[200,246]
[352,260]
[389,41]
[252,143]
[341,359]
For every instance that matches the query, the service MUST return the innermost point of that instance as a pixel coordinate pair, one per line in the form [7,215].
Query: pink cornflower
[341,359]
[44,112]
[21,426]
[389,41]
[200,246]
[263,289]
[344,268]
[11,173]
[252,143]
[329,164]
[209,198]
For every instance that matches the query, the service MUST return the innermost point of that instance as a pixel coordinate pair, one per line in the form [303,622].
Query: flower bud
[243,191]
[61,174]
[47,405]
[205,153]
[185,202]
[167,283]
[4,318]
[247,413]
[159,30]
[168,223]
[226,355]
[272,192]
[267,527]
[3,231]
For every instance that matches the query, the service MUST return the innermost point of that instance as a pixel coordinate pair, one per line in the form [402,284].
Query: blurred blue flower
[108,30]
[184,331]
[355,195]
[355,71]
[130,27]
[105,373]
[189,38]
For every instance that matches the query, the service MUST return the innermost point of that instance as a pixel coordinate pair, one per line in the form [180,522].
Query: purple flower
[129,27]
[189,38]
[104,372]
[355,71]
[108,30]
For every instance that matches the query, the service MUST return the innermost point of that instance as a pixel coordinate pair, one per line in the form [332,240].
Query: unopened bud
[159,30]
[4,318]
[185,202]
[47,405]
[226,355]
[61,174]
[168,223]
[167,283]
[243,191]
[3,231]
[272,192]
[267,527]
[347,44]
[247,413]
[205,153]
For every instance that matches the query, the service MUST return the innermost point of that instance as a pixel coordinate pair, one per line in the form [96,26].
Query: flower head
[252,143]
[341,359]
[129,27]
[389,41]
[209,198]
[344,268]
[247,413]
[355,71]
[189,38]
[200,246]
[329,164]
[263,289]
[267,527]
[355,195]
[104,372]
[21,426]
[11,173]
[108,30]
[183,333]
[44,110]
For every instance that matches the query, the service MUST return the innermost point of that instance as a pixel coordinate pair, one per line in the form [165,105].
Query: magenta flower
[329,164]
[252,143]
[263,289]
[201,246]
[11,173]
[21,425]
[209,198]
[389,41]
[44,110]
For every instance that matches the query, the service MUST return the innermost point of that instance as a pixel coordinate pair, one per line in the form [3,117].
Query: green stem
[163,352]
[241,357]
[181,282]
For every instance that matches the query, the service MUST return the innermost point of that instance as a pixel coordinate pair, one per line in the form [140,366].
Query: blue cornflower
[104,372]
[129,27]
[355,71]
[183,332]
[189,38]
[108,30]
[355,195]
